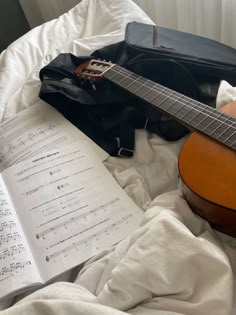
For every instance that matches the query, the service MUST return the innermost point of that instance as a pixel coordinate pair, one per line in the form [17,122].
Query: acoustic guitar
[207,161]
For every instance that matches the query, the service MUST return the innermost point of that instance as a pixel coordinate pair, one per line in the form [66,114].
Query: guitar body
[208,171]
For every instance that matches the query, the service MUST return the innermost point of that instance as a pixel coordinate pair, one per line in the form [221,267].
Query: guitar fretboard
[192,113]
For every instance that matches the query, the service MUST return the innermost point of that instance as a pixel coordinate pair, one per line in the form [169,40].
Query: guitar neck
[187,111]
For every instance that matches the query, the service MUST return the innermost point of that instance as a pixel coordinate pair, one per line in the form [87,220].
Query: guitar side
[208,171]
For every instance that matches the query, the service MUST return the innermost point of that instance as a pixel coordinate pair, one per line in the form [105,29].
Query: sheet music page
[38,128]
[17,266]
[70,206]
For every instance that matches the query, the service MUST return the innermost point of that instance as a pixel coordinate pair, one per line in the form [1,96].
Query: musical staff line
[63,215]
[87,239]
[35,150]
[57,198]
[76,218]
[23,142]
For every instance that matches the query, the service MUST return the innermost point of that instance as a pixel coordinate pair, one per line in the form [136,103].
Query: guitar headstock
[93,69]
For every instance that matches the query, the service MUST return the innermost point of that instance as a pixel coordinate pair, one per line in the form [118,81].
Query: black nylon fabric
[109,115]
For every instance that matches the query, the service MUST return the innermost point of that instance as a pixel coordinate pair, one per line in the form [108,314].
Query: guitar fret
[185,115]
[220,130]
[191,116]
[213,126]
[180,108]
[165,100]
[233,144]
[195,117]
[145,92]
[185,111]
[150,89]
[232,135]
[133,82]
[124,78]
[223,132]
[226,135]
[170,106]
[228,130]
[157,95]
[112,77]
[218,126]
[207,116]
[140,87]
[208,125]
[117,77]
[202,125]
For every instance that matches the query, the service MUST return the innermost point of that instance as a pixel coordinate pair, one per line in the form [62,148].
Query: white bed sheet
[174,263]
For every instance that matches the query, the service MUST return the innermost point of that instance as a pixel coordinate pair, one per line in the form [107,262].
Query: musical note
[55,172]
[76,218]
[7,225]
[13,250]
[3,202]
[89,238]
[32,136]
[5,213]
[14,267]
[9,237]
[61,186]
[51,127]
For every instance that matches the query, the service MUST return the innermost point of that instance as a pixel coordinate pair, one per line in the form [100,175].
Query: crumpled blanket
[174,263]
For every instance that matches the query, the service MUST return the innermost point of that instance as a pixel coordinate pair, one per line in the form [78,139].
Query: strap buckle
[123,152]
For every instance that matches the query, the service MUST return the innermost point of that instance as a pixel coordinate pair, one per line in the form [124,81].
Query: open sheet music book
[59,205]
[57,210]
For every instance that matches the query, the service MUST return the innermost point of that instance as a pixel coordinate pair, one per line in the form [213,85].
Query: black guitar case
[186,63]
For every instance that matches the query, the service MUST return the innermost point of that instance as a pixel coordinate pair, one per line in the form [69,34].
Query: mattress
[174,263]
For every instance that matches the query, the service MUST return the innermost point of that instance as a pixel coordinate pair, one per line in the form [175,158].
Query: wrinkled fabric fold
[174,263]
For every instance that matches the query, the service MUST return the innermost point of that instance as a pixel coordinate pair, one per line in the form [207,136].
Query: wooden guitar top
[208,170]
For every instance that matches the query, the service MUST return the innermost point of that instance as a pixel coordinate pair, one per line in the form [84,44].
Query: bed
[174,263]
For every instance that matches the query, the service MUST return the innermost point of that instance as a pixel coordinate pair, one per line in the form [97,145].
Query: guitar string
[122,72]
[230,142]
[211,134]
[160,92]
[207,113]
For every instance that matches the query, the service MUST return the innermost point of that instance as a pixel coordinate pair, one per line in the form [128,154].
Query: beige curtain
[215,19]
